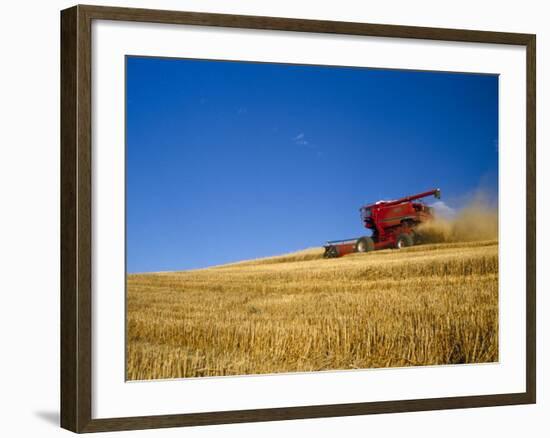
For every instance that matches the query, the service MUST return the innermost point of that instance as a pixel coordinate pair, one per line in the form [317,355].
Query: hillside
[424,305]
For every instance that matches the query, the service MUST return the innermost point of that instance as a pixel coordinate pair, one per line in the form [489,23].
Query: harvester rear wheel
[364,244]
[404,240]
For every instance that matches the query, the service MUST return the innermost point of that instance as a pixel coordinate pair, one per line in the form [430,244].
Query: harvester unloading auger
[392,223]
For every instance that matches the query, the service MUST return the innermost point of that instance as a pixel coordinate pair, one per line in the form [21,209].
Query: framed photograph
[271,218]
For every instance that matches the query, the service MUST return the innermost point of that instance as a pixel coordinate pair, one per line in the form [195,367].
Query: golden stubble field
[424,305]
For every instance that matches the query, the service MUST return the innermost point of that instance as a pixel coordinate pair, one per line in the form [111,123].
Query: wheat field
[424,305]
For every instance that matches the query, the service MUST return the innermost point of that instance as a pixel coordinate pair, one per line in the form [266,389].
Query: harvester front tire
[404,240]
[364,244]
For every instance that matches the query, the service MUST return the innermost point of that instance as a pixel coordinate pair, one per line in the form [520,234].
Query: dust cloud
[477,221]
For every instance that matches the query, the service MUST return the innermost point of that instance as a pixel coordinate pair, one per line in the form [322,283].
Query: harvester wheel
[404,240]
[364,244]
[330,252]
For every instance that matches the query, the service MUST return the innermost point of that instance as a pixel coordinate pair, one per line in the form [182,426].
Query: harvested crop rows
[424,305]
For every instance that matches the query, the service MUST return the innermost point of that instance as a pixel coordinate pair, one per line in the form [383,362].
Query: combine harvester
[392,224]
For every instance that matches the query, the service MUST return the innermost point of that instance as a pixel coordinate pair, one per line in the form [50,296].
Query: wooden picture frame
[76,218]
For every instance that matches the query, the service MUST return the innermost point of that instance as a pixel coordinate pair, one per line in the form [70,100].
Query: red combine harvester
[392,224]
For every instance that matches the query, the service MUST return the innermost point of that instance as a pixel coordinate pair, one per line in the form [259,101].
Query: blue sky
[233,160]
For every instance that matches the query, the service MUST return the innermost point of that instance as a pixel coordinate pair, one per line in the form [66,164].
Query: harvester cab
[392,224]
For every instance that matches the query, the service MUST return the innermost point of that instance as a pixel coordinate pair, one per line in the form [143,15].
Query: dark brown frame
[76,238]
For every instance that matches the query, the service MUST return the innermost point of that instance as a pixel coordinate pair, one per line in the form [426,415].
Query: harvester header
[392,223]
